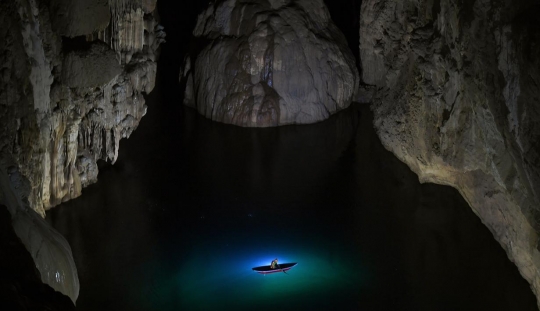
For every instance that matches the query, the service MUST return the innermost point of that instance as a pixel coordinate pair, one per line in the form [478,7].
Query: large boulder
[91,68]
[457,100]
[269,63]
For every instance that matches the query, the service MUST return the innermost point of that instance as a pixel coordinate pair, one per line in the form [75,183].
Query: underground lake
[191,206]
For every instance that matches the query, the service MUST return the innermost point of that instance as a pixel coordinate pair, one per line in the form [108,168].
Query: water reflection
[192,205]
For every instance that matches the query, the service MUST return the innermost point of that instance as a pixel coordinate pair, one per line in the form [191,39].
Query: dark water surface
[192,205]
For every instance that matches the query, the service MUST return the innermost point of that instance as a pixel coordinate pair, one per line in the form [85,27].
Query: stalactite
[126,28]
[131,28]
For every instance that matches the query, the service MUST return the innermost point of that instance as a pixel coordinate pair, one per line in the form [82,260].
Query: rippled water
[192,205]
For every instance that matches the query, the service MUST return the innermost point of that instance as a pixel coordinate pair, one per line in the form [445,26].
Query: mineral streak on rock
[133,29]
[458,101]
[68,95]
[269,63]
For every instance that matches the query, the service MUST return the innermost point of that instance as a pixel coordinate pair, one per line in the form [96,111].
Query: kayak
[281,268]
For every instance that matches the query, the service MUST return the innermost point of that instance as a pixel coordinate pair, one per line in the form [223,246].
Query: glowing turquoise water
[227,279]
[216,274]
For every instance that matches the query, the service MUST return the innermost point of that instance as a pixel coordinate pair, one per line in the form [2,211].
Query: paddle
[282,270]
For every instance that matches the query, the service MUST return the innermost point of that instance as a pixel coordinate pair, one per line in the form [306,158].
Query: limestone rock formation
[133,30]
[21,286]
[458,101]
[92,68]
[66,103]
[269,63]
[71,18]
[68,94]
[50,252]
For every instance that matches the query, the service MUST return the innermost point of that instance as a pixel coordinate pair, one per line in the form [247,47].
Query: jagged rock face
[269,63]
[66,103]
[65,109]
[458,101]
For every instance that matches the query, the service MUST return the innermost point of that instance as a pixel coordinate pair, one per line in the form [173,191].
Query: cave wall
[457,99]
[72,87]
[72,75]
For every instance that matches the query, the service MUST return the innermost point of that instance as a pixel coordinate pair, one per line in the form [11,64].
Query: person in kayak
[274,264]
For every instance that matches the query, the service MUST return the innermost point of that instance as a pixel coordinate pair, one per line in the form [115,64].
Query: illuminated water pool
[216,273]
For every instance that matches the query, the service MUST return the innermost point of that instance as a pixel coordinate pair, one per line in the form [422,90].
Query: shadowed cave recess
[390,148]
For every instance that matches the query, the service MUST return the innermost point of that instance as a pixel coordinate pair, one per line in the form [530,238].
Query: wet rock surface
[458,100]
[269,63]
